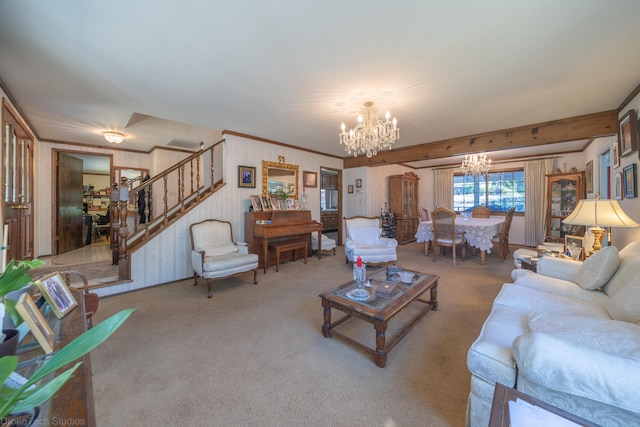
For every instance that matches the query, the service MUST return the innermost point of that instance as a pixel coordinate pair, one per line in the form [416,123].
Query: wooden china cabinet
[403,202]
[564,190]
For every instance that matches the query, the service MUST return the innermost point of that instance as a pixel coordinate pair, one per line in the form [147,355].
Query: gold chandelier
[476,164]
[370,134]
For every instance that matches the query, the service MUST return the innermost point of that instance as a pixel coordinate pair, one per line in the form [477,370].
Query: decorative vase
[9,346]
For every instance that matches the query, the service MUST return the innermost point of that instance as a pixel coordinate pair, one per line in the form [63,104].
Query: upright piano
[284,226]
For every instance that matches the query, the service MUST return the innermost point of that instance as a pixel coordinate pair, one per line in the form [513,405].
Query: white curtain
[535,200]
[444,188]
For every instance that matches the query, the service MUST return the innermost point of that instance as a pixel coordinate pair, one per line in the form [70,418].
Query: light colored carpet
[254,355]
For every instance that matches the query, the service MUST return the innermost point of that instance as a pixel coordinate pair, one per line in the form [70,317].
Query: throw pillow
[365,235]
[627,272]
[625,305]
[596,271]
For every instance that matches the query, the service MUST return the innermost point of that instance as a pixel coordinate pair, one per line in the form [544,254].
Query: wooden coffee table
[379,310]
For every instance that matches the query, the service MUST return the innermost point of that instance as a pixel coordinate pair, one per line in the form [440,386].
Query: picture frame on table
[34,319]
[615,154]
[589,176]
[617,186]
[310,179]
[266,203]
[275,204]
[247,176]
[574,245]
[57,294]
[256,203]
[628,132]
[630,176]
[349,189]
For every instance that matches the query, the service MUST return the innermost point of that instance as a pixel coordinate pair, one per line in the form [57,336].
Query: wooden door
[69,207]
[17,181]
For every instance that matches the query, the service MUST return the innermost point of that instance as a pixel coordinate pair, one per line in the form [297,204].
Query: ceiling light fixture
[476,164]
[114,137]
[370,134]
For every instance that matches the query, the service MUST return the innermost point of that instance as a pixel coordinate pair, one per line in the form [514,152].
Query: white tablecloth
[478,231]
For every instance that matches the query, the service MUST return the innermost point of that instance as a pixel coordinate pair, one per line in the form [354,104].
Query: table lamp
[597,213]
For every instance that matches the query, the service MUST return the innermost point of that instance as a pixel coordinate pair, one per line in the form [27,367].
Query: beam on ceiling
[564,130]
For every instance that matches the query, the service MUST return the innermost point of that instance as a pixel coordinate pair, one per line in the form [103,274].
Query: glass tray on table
[377,280]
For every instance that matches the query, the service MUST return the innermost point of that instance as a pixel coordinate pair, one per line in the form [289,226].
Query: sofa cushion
[625,305]
[214,250]
[627,270]
[533,300]
[565,288]
[596,271]
[490,357]
[365,235]
[610,336]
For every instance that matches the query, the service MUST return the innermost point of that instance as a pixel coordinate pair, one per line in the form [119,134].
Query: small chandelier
[114,137]
[476,164]
[370,134]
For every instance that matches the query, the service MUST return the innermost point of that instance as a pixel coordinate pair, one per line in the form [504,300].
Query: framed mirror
[278,178]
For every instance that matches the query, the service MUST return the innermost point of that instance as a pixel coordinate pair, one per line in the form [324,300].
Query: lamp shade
[602,212]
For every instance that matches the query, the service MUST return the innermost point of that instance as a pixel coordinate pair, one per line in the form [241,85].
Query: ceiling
[292,71]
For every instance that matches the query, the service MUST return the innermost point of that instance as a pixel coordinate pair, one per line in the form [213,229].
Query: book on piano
[263,221]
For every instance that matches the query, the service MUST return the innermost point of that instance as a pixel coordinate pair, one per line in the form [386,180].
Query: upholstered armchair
[364,239]
[214,255]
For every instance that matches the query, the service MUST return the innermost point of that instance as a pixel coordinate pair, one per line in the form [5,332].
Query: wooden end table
[502,395]
[379,310]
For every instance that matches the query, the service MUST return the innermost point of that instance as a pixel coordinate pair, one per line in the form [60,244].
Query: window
[497,190]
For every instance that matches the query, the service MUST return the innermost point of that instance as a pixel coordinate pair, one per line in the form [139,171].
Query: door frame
[26,134]
[54,186]
[339,242]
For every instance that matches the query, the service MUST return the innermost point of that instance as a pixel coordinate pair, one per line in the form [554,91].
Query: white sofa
[568,335]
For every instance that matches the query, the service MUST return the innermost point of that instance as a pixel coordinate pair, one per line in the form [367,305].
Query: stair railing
[147,209]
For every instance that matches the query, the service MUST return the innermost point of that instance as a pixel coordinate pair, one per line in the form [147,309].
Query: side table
[529,263]
[500,416]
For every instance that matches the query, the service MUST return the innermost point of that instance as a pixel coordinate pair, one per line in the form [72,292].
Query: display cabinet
[564,190]
[403,203]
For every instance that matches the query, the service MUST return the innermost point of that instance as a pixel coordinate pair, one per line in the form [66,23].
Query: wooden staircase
[165,198]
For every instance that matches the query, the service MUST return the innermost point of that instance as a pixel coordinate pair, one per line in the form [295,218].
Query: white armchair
[214,255]
[363,239]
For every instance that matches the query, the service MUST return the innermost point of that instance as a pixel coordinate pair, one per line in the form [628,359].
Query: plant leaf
[44,392]
[82,344]
[8,364]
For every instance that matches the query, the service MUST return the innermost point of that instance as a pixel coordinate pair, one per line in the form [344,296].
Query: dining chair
[481,212]
[445,234]
[502,239]
[424,216]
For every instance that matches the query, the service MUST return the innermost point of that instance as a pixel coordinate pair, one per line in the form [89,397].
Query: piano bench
[288,246]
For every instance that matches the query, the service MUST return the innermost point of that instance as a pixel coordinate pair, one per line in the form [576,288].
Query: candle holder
[360,275]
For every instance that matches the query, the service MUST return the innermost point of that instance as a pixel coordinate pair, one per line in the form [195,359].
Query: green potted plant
[26,398]
[13,278]
[16,401]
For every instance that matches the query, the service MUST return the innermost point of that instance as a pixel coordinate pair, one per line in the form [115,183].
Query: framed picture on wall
[589,176]
[246,176]
[615,154]
[358,183]
[628,133]
[617,186]
[349,188]
[630,178]
[310,179]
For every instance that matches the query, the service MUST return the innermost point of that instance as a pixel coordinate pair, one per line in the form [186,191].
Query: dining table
[477,231]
